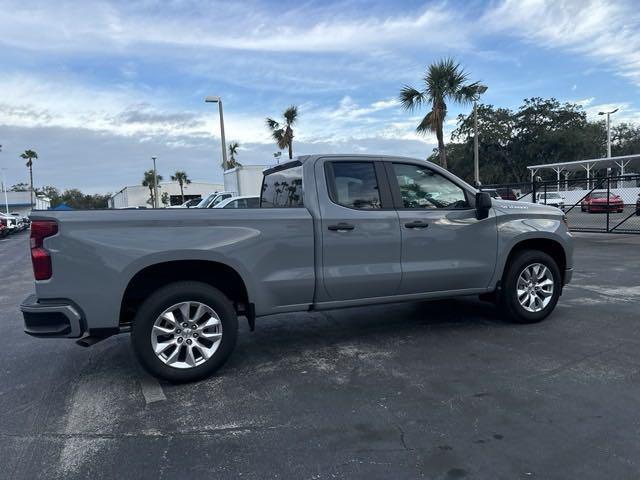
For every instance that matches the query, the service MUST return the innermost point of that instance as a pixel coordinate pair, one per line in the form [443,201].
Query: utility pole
[480,89]
[155,184]
[4,187]
[218,100]
[608,114]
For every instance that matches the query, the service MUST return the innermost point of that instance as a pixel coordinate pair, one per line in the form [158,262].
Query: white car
[553,199]
[10,222]
[213,199]
[239,202]
[193,203]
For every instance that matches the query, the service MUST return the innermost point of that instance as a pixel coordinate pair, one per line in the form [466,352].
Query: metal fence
[606,204]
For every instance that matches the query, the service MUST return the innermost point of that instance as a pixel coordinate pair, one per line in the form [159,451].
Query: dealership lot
[441,390]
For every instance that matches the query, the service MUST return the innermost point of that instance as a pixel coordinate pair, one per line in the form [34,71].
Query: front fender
[512,231]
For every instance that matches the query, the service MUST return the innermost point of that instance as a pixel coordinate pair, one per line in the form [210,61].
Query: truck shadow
[375,326]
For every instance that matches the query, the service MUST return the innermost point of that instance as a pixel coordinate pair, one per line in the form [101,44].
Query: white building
[244,180]
[20,202]
[139,195]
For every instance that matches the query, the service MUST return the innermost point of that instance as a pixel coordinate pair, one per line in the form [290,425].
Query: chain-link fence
[605,204]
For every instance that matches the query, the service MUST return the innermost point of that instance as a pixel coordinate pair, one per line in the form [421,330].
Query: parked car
[22,219]
[213,199]
[9,221]
[638,205]
[188,204]
[493,193]
[507,194]
[550,198]
[600,202]
[239,202]
[332,231]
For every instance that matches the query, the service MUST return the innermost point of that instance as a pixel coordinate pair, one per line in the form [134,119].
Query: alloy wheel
[186,334]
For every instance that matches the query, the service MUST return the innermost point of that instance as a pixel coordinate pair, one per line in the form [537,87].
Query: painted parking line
[151,389]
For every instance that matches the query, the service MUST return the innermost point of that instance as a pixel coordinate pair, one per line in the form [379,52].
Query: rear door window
[354,185]
[283,189]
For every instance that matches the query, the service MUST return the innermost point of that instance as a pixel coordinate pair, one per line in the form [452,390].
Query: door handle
[341,227]
[416,224]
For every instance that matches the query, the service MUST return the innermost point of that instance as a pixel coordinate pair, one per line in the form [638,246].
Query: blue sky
[97,88]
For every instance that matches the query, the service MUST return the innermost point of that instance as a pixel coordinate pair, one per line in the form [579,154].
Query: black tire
[509,304]
[164,298]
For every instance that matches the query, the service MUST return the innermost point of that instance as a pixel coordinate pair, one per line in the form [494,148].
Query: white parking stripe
[151,389]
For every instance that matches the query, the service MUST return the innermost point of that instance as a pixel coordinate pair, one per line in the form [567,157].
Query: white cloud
[607,31]
[225,25]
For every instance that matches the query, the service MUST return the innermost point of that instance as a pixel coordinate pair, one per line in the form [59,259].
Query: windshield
[550,195]
[205,201]
[599,195]
[218,200]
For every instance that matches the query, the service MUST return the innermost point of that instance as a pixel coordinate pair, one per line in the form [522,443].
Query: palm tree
[283,134]
[30,156]
[149,180]
[181,177]
[233,151]
[445,80]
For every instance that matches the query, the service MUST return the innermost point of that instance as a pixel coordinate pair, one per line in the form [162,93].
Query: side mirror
[483,204]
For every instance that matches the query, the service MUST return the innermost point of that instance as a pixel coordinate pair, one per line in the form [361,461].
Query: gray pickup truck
[332,231]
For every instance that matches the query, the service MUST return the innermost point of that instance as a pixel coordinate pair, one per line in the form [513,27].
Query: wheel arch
[152,277]
[551,247]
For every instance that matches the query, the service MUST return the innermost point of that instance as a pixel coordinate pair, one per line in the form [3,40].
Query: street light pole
[155,184]
[218,100]
[4,187]
[608,114]
[480,89]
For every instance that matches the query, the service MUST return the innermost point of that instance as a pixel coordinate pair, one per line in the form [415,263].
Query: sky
[97,88]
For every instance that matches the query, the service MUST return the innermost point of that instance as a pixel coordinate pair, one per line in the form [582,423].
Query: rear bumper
[60,318]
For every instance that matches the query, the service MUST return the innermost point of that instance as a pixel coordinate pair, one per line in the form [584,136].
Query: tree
[540,131]
[165,199]
[181,177]
[625,139]
[283,133]
[233,151]
[80,201]
[50,192]
[149,181]
[20,187]
[30,156]
[445,80]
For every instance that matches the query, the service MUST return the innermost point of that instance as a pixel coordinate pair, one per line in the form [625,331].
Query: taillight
[40,258]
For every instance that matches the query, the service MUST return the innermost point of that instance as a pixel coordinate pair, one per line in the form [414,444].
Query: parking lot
[626,221]
[441,390]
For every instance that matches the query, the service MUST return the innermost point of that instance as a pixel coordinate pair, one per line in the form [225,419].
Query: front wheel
[184,331]
[531,287]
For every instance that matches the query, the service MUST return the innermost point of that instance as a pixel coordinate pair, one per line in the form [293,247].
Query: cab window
[354,185]
[422,188]
[283,189]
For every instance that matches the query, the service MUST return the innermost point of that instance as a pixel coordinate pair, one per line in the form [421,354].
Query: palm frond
[291,114]
[272,124]
[410,98]
[428,124]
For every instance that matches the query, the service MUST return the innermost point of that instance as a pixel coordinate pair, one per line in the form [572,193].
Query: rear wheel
[531,287]
[184,331]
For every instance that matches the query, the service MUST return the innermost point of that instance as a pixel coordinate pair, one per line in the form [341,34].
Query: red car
[4,231]
[638,205]
[599,202]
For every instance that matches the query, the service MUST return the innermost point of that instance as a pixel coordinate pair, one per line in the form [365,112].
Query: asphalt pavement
[438,390]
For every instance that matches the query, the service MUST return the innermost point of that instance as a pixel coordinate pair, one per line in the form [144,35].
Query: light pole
[4,187]
[155,184]
[479,90]
[218,100]
[608,114]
